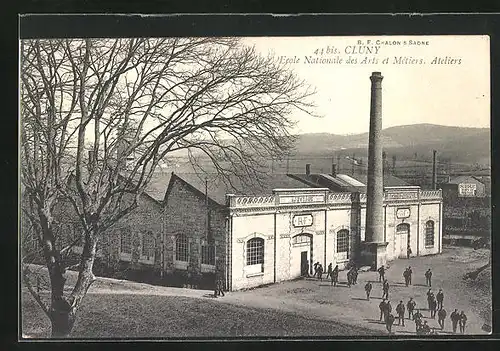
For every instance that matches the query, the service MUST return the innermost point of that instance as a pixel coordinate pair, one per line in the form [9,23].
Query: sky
[427,79]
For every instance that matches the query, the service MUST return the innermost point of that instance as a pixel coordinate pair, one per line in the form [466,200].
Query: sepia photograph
[235,187]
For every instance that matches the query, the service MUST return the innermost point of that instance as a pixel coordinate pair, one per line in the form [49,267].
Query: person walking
[462,321]
[405,276]
[441,317]
[355,275]
[335,275]
[400,310]
[389,321]
[385,289]
[429,298]
[368,290]
[410,272]
[388,308]
[455,317]
[315,269]
[381,273]
[433,308]
[428,277]
[411,307]
[349,278]
[417,318]
[408,252]
[329,271]
[219,290]
[320,272]
[382,306]
[440,298]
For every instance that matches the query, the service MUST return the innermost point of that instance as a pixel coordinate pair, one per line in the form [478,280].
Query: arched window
[403,228]
[181,248]
[126,241]
[208,255]
[343,241]
[301,239]
[429,234]
[148,245]
[255,251]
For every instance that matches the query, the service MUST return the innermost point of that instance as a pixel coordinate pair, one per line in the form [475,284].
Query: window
[148,245]
[343,241]
[301,239]
[181,248]
[429,233]
[403,228]
[208,255]
[255,251]
[126,241]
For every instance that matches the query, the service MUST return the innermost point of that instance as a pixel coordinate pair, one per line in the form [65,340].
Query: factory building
[254,232]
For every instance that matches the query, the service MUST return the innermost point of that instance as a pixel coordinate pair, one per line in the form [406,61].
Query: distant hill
[466,145]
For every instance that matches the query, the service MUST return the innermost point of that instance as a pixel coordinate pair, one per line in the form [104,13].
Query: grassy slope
[121,309]
[129,316]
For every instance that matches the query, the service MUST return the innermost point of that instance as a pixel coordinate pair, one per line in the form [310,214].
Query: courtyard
[301,308]
[311,297]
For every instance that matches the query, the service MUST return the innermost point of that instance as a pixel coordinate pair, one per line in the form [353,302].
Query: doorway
[301,255]
[304,263]
[402,240]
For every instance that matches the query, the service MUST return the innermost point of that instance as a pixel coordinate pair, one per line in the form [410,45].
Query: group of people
[434,302]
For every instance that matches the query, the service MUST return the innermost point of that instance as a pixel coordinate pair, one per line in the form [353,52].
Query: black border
[258,25]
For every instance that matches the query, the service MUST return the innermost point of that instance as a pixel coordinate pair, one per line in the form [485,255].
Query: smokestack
[434,173]
[394,164]
[308,169]
[334,170]
[376,246]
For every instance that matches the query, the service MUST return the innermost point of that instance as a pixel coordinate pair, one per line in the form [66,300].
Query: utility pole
[434,172]
[207,215]
[352,165]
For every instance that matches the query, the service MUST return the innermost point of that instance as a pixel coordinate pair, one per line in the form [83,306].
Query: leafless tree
[88,106]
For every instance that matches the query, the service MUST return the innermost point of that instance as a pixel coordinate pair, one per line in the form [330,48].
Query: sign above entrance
[402,213]
[303,220]
[301,199]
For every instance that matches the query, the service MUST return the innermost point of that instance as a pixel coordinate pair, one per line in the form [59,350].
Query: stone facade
[186,215]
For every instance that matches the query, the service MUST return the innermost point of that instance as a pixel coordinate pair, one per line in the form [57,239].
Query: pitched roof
[157,186]
[389,179]
[462,179]
[344,182]
[218,187]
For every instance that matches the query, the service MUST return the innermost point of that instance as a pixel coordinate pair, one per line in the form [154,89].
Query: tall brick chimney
[308,169]
[374,250]
[334,170]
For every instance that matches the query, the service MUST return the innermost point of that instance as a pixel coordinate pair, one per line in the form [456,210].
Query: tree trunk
[62,318]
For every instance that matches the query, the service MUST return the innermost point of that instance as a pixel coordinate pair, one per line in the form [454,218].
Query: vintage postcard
[234,187]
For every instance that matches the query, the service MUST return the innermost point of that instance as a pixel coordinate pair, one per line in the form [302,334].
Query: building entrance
[402,239]
[304,263]
[301,260]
